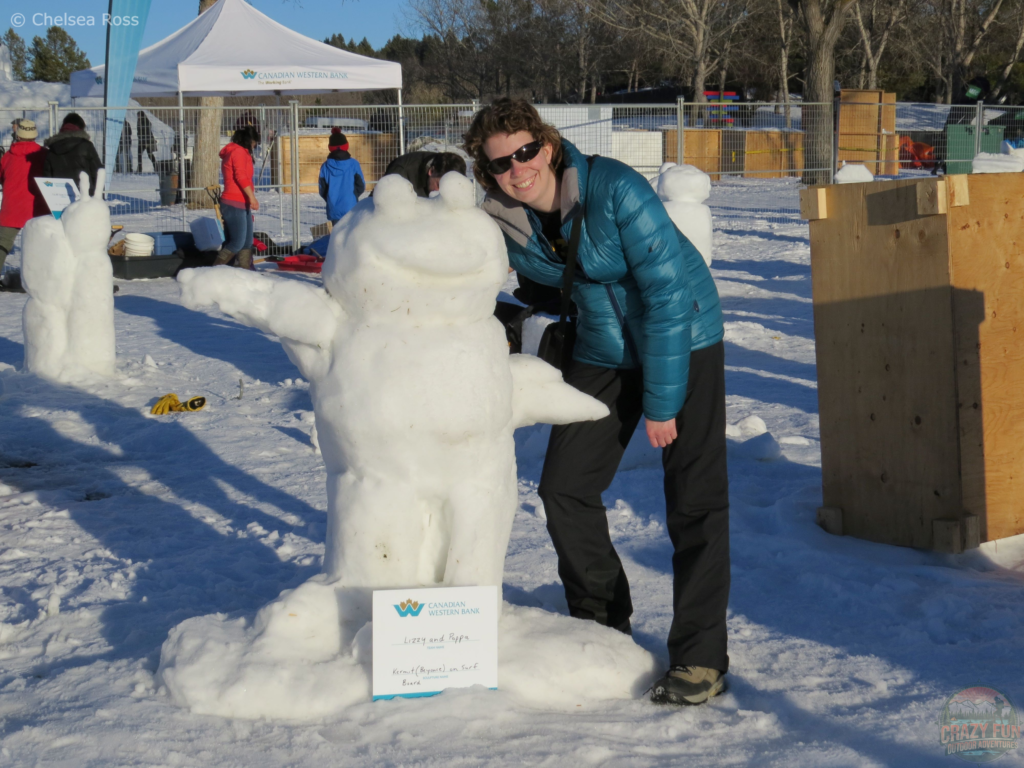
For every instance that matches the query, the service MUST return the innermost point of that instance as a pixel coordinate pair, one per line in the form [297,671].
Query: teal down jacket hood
[644,294]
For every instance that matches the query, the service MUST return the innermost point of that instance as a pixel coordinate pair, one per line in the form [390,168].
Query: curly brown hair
[508,116]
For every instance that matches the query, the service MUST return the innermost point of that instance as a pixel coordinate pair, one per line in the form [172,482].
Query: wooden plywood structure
[702,148]
[867,130]
[774,154]
[918,306]
[373,151]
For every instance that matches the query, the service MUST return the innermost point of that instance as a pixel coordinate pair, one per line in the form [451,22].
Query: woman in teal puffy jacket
[648,342]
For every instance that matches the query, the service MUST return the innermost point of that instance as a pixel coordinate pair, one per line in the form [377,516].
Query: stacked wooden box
[867,131]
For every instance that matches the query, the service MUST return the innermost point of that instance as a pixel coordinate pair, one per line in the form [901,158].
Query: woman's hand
[251,196]
[661,433]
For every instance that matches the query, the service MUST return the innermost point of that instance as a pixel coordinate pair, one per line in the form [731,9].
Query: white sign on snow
[426,640]
[58,193]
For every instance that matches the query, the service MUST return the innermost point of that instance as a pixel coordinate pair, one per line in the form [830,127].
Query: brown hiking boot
[223,257]
[688,685]
[244,259]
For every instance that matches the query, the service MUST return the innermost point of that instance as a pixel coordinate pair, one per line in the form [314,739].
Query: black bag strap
[570,265]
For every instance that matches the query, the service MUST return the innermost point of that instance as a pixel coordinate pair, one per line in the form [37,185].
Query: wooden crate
[373,151]
[702,149]
[918,297]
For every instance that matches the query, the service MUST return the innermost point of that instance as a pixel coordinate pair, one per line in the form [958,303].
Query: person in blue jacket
[341,178]
[648,342]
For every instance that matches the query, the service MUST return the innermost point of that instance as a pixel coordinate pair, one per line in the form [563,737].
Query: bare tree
[962,26]
[823,23]
[691,33]
[1016,23]
[206,150]
[876,20]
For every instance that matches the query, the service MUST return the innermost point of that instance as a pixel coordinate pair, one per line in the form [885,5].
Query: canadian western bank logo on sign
[284,77]
[409,608]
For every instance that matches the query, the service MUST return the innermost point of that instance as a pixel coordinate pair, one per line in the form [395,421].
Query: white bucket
[138,245]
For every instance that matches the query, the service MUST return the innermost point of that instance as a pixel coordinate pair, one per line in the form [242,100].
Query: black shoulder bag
[557,342]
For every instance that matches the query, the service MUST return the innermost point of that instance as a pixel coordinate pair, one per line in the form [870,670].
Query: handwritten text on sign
[426,640]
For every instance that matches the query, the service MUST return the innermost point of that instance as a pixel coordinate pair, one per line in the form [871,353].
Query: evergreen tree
[19,56]
[56,57]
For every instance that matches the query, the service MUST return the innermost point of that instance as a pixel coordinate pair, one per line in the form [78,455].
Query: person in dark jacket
[648,343]
[146,139]
[341,178]
[123,161]
[71,152]
[425,169]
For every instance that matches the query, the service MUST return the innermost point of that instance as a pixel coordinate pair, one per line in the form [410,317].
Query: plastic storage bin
[170,249]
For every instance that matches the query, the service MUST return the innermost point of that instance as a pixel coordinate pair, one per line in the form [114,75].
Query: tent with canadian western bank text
[233,49]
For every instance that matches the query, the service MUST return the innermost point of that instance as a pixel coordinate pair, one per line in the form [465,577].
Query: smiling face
[532,183]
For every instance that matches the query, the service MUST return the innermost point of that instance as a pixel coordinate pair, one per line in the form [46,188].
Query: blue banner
[125,24]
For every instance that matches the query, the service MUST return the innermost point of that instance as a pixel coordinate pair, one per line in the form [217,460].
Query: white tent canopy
[234,49]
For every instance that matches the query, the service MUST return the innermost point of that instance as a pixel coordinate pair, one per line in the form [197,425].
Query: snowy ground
[115,526]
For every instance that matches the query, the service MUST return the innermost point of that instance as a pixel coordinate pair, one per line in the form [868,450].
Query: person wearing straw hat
[22,201]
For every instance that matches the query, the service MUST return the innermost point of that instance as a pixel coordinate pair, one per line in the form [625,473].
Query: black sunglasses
[524,154]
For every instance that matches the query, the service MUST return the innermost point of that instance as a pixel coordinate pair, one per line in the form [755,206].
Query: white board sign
[58,193]
[426,640]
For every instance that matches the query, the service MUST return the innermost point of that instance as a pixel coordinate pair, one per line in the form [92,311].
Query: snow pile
[293,662]
[683,189]
[853,173]
[986,162]
[758,443]
[416,400]
[68,321]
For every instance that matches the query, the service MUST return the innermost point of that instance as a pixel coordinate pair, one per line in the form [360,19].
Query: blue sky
[377,20]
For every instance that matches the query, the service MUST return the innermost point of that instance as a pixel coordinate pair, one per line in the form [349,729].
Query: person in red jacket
[238,200]
[22,163]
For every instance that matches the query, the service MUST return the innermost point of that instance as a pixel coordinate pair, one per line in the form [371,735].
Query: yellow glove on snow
[170,403]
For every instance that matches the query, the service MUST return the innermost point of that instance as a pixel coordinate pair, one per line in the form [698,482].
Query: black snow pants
[580,464]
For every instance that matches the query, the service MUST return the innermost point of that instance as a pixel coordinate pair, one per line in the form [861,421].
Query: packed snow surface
[68,322]
[116,527]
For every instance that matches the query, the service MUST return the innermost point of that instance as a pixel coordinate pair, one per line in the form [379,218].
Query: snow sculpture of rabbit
[68,320]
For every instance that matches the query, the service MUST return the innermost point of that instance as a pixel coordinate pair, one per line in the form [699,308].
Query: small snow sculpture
[68,321]
[414,392]
[853,173]
[683,189]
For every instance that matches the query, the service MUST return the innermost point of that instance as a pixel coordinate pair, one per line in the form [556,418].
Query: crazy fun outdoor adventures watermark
[41,19]
[979,724]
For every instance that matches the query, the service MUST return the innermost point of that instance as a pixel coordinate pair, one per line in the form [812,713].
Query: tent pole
[295,159]
[401,124]
[181,154]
